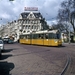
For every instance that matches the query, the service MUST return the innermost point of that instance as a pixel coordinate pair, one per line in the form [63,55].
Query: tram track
[66,65]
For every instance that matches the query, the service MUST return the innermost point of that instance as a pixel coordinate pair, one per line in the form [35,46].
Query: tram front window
[58,36]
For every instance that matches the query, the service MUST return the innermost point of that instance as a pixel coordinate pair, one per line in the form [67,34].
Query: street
[20,59]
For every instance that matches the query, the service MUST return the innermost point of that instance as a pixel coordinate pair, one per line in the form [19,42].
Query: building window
[32,27]
[26,26]
[31,16]
[33,22]
[26,21]
[24,31]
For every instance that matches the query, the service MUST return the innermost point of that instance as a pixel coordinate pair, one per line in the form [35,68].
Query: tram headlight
[56,41]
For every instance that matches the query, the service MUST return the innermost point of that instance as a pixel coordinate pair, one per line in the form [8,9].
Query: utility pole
[69,21]
[69,32]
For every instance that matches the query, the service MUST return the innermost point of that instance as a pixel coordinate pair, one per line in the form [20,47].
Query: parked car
[1,45]
[8,40]
[5,40]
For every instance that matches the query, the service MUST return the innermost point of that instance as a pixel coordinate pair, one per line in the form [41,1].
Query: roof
[24,15]
[36,14]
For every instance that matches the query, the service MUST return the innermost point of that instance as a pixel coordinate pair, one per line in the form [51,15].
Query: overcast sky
[11,10]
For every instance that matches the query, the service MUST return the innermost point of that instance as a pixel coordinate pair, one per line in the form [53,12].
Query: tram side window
[46,36]
[58,36]
[30,36]
[50,35]
[41,36]
[54,36]
[24,37]
[27,36]
[37,36]
[34,36]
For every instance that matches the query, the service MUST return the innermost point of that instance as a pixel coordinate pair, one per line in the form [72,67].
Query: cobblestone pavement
[20,59]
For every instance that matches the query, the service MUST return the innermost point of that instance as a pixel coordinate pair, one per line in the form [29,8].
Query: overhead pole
[69,22]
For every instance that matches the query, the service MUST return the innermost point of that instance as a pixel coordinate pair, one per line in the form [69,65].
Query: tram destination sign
[31,8]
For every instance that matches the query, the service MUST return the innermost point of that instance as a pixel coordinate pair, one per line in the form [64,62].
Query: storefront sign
[31,9]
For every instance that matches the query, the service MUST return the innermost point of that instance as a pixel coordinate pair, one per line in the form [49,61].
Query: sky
[11,10]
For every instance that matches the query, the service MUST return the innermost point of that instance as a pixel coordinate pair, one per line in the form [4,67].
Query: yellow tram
[46,38]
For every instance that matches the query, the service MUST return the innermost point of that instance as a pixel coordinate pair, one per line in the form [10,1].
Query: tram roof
[46,31]
[41,32]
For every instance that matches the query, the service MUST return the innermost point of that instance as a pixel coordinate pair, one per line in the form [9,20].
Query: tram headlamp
[56,41]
